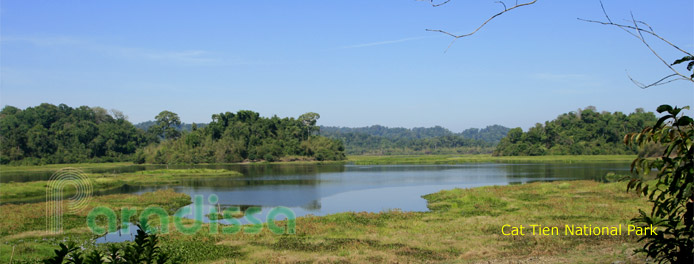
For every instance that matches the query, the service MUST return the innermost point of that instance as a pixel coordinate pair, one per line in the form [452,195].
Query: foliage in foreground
[143,249]
[673,193]
[585,132]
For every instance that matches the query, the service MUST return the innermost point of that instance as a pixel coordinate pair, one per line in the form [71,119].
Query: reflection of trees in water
[241,207]
[25,176]
[549,171]
[230,182]
[280,169]
[313,205]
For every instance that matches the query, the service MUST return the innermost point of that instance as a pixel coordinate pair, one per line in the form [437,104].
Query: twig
[435,5]
[483,24]
[653,51]
[638,33]
[625,27]
[662,81]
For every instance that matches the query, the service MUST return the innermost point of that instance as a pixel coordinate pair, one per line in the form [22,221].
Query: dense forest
[380,140]
[241,136]
[183,127]
[584,132]
[62,134]
[48,134]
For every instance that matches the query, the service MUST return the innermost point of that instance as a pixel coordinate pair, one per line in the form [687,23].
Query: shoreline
[455,218]
[358,160]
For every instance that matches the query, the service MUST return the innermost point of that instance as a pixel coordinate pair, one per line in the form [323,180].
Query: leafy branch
[672,193]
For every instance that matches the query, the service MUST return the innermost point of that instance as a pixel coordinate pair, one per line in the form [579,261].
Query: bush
[673,193]
[144,249]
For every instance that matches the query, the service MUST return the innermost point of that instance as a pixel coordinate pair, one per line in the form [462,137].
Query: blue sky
[356,63]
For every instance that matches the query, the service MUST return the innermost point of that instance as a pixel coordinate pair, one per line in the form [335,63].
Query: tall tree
[166,124]
[309,120]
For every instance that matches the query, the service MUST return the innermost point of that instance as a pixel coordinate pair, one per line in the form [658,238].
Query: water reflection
[325,189]
[320,190]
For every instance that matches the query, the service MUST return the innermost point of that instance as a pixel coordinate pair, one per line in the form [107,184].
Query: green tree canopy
[583,132]
[166,125]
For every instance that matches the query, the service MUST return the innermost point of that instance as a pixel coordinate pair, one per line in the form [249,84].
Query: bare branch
[664,80]
[502,3]
[435,5]
[627,27]
[485,22]
[654,52]
[638,32]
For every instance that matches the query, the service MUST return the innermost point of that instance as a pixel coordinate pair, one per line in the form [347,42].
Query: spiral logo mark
[55,205]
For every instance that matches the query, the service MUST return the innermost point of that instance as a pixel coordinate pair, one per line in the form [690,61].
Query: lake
[327,189]
[310,189]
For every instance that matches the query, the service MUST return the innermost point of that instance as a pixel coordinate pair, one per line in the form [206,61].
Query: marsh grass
[190,172]
[463,225]
[36,190]
[24,225]
[54,167]
[456,159]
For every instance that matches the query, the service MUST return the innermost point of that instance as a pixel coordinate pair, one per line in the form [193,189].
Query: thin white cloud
[559,76]
[189,57]
[385,42]
[42,41]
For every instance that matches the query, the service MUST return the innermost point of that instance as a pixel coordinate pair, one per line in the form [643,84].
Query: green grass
[36,190]
[189,172]
[365,160]
[23,226]
[54,167]
[464,225]
[455,159]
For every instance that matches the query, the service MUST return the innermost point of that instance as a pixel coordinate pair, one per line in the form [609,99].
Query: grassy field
[364,160]
[23,226]
[33,190]
[54,167]
[464,225]
[454,159]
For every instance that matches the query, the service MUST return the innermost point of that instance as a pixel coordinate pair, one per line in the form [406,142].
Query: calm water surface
[320,190]
[327,189]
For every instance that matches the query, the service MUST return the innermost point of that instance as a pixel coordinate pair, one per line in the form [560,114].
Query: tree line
[583,132]
[238,137]
[380,140]
[48,134]
[62,134]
